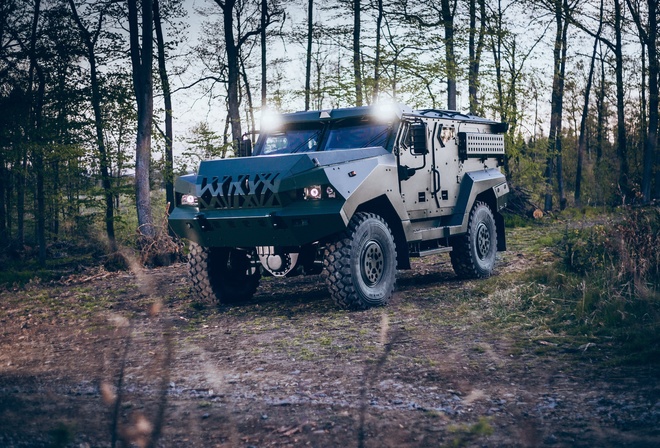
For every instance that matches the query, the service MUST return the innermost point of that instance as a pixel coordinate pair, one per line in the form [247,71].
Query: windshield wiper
[306,142]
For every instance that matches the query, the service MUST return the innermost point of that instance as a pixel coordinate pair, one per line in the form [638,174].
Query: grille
[240,191]
[480,145]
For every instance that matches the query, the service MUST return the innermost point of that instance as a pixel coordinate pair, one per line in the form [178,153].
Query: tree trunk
[9,194]
[141,59]
[448,22]
[585,112]
[562,77]
[379,24]
[167,98]
[357,70]
[232,70]
[21,179]
[642,93]
[556,106]
[496,42]
[104,163]
[248,93]
[23,154]
[474,51]
[4,177]
[651,145]
[35,139]
[264,78]
[648,36]
[602,108]
[41,204]
[308,65]
[622,148]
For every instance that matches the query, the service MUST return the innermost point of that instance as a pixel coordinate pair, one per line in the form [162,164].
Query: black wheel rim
[483,240]
[372,263]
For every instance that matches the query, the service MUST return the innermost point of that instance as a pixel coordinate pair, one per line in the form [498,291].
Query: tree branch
[206,78]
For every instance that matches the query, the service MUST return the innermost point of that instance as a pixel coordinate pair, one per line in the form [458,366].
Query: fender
[473,184]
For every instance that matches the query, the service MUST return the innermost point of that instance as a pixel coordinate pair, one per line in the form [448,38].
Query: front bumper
[297,224]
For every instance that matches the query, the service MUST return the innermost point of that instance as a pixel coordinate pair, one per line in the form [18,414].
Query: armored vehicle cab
[351,194]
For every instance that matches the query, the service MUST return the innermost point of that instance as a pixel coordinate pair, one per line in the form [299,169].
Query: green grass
[469,433]
[591,280]
[512,221]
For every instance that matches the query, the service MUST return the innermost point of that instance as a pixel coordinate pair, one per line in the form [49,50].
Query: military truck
[352,194]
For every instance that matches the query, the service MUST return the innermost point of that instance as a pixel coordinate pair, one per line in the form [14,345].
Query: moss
[468,434]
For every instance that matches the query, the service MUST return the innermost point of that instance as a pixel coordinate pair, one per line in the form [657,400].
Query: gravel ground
[434,368]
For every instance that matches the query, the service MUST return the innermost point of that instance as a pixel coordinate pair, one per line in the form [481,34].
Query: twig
[120,384]
[372,374]
[164,384]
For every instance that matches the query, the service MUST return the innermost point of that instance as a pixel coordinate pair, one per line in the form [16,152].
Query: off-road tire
[222,275]
[473,254]
[360,266]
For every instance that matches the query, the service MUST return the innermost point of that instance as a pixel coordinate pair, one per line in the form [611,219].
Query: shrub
[619,267]
[627,252]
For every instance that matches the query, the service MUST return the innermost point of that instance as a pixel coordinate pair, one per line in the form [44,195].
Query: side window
[404,139]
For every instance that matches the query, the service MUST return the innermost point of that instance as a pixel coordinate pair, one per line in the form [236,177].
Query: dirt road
[442,365]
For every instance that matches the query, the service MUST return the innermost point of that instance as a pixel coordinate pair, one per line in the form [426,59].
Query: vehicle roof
[351,112]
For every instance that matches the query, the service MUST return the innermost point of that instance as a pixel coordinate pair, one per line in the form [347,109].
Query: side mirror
[418,139]
[244,148]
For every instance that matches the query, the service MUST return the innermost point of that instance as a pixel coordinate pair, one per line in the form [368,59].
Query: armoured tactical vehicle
[351,194]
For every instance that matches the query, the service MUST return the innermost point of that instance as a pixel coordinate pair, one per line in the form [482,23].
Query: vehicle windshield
[295,138]
[356,135]
[323,136]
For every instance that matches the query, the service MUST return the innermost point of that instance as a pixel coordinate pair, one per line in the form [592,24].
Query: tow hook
[203,222]
[276,221]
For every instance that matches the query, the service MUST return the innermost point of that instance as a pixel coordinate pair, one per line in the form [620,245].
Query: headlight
[313,192]
[190,200]
[316,192]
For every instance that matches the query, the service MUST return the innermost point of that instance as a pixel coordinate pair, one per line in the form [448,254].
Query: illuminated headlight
[313,192]
[189,199]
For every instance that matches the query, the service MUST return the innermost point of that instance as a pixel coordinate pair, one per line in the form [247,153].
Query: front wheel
[473,254]
[222,274]
[360,267]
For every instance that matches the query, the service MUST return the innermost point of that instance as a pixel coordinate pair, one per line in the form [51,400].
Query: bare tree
[649,35]
[142,62]
[616,48]
[622,142]
[445,13]
[585,111]
[264,61]
[357,70]
[308,57]
[561,10]
[475,48]
[377,62]
[233,44]
[90,39]
[168,175]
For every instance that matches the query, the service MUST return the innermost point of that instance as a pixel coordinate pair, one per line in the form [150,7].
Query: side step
[427,252]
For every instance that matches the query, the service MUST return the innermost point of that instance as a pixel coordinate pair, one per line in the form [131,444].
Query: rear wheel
[360,267]
[473,254]
[222,274]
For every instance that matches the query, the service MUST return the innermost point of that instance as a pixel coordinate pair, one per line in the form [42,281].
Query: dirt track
[434,368]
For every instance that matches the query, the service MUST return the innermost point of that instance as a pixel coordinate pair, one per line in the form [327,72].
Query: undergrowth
[78,255]
[605,287]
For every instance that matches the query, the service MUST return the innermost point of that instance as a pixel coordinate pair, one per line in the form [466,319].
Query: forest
[105,102]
